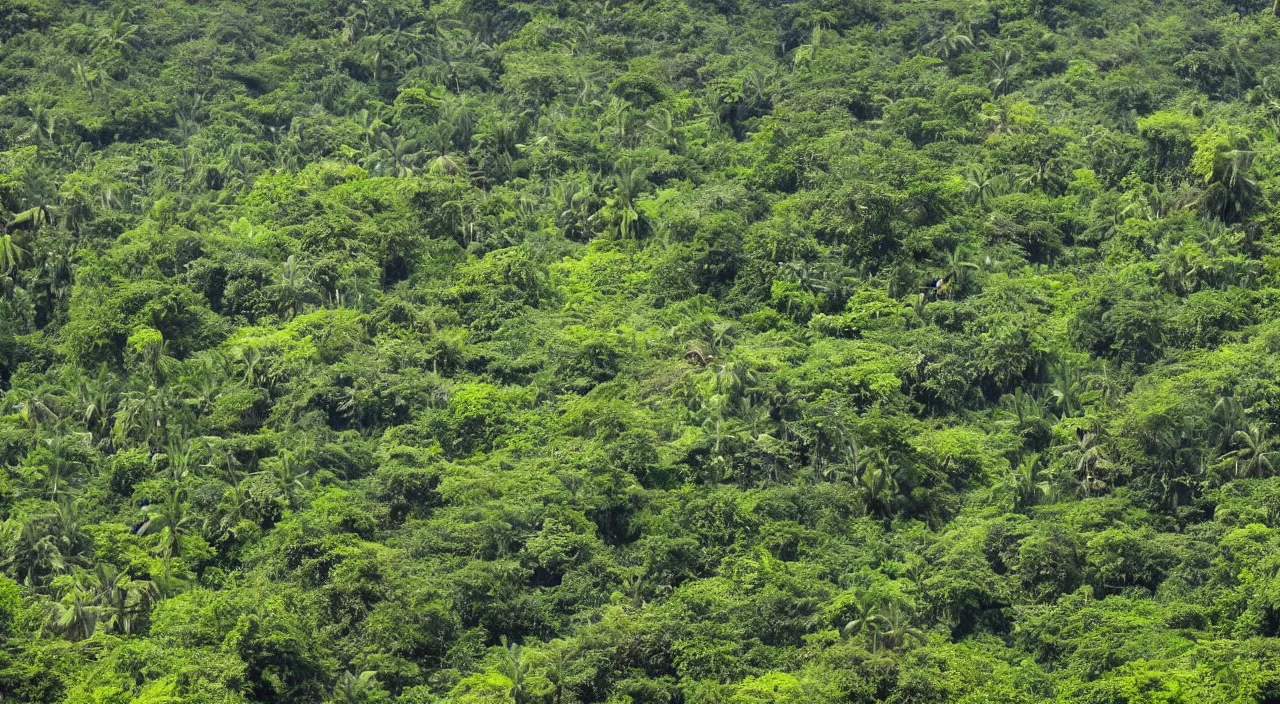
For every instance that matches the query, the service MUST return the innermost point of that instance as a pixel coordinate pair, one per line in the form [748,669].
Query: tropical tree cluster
[649,352]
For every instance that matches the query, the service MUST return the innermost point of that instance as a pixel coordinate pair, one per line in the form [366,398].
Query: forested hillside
[654,352]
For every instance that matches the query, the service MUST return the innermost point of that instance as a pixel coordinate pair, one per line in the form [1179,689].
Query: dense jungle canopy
[650,352]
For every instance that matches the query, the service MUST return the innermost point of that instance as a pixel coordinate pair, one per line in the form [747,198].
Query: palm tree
[805,53]
[982,186]
[720,432]
[1089,461]
[895,627]
[562,655]
[236,498]
[955,41]
[1024,483]
[291,288]
[119,35]
[627,185]
[33,554]
[1066,388]
[148,416]
[878,485]
[120,601]
[1000,68]
[1025,412]
[1047,175]
[665,127]
[354,689]
[958,266]
[397,157]
[501,137]
[205,381]
[90,78]
[65,521]
[377,55]
[446,349]
[169,519]
[1230,190]
[516,668]
[576,205]
[723,334]
[254,363]
[153,351]
[866,616]
[1179,463]
[11,255]
[73,616]
[183,457]
[808,278]
[1254,458]
[616,121]
[460,116]
[440,138]
[60,466]
[97,402]
[1105,382]
[917,305]
[1226,419]
[37,216]
[813,17]
[289,472]
[734,381]
[372,128]
[35,408]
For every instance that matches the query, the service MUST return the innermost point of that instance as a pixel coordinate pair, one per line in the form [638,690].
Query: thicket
[670,351]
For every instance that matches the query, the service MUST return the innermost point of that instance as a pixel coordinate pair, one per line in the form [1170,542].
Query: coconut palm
[11,255]
[61,465]
[97,396]
[1255,455]
[354,689]
[1230,189]
[120,35]
[254,363]
[182,458]
[866,616]
[895,629]
[288,470]
[516,668]
[1226,419]
[291,289]
[958,266]
[627,185]
[372,127]
[956,40]
[397,157]
[981,185]
[73,616]
[1025,483]
[440,140]
[1089,461]
[1000,69]
[169,520]
[33,553]
[120,601]
[1066,387]
[878,485]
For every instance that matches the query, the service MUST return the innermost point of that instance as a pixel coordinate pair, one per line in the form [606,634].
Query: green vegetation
[664,352]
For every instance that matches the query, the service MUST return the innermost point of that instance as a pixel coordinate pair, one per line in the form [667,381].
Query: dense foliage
[670,351]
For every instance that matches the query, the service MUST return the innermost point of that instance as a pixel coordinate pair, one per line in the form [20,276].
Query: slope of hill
[666,352]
